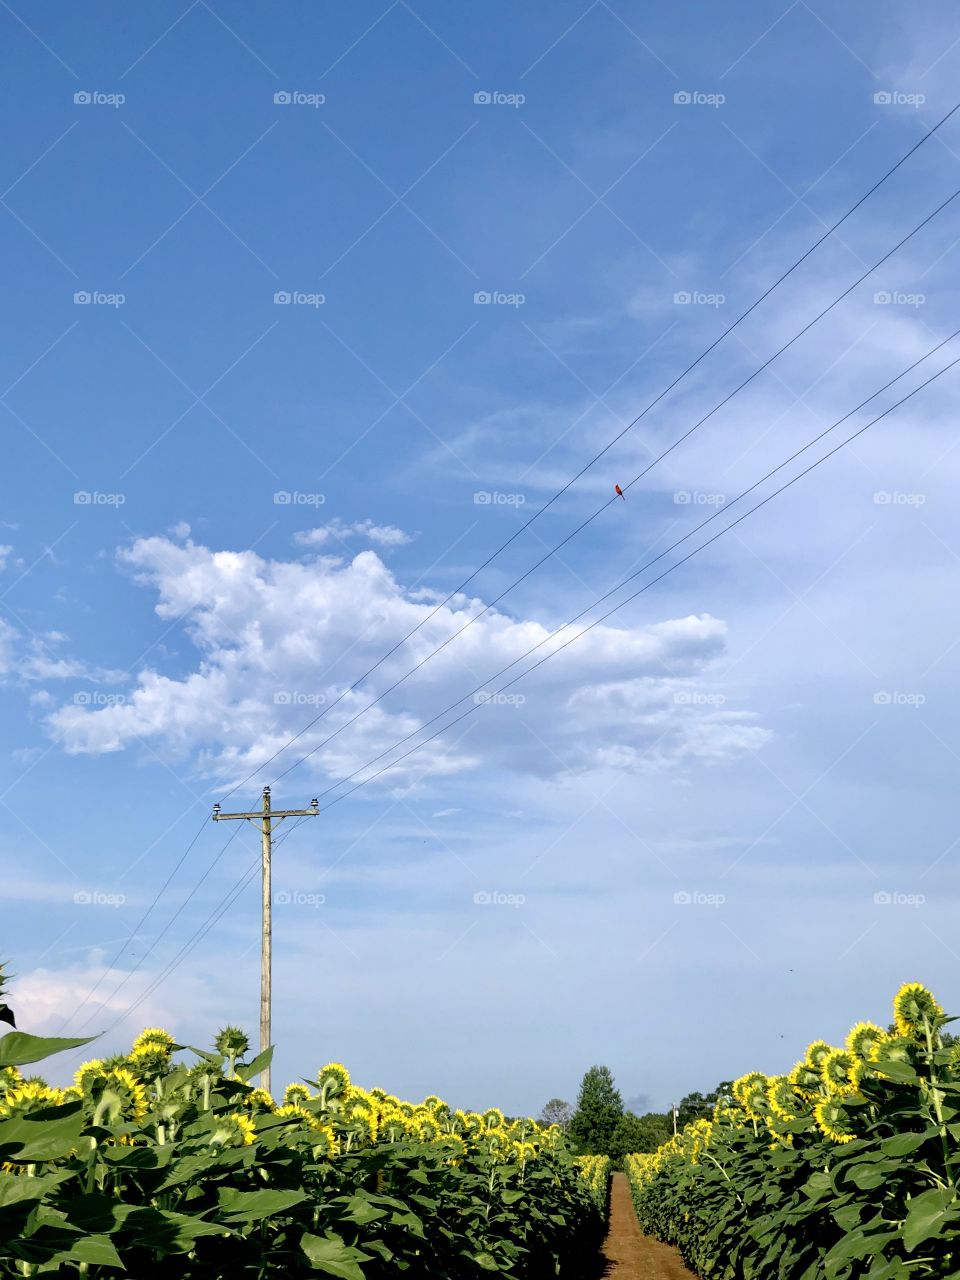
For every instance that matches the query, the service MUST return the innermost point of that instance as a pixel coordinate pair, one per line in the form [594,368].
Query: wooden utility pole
[264,818]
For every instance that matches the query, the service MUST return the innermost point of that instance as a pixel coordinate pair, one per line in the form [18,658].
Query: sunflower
[25,1099]
[233,1130]
[325,1142]
[816,1053]
[87,1072]
[492,1118]
[157,1036]
[785,1102]
[232,1042]
[832,1119]
[122,1097]
[150,1058]
[751,1092]
[915,1009]
[862,1037]
[393,1128]
[333,1080]
[10,1078]
[805,1078]
[295,1093]
[838,1070]
[892,1049]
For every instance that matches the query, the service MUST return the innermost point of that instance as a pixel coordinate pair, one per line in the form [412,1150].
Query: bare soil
[630,1255]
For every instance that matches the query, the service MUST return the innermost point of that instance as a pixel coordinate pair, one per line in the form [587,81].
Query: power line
[233,894]
[650,584]
[200,933]
[140,923]
[650,563]
[603,507]
[596,457]
[494,555]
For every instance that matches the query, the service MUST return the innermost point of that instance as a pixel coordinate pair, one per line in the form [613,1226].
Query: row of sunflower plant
[846,1167]
[167,1162]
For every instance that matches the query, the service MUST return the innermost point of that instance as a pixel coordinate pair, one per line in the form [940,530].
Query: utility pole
[264,818]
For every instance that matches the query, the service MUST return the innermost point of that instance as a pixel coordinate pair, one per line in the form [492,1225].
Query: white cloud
[381,535]
[278,642]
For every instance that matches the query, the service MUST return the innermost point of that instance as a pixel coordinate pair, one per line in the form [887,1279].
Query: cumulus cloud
[381,535]
[279,642]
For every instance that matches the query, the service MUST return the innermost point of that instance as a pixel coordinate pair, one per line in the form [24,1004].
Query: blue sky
[717,827]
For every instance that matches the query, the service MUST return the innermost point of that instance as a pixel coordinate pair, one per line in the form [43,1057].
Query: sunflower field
[152,1166]
[846,1167]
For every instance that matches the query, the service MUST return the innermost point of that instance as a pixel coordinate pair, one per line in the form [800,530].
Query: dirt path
[629,1255]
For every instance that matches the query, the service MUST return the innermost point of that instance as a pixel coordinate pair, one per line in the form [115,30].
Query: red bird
[619,491]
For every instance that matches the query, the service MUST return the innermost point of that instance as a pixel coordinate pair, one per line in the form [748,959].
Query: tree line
[602,1126]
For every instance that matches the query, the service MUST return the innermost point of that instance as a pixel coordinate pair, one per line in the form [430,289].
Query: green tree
[556,1111]
[635,1134]
[699,1106]
[599,1110]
